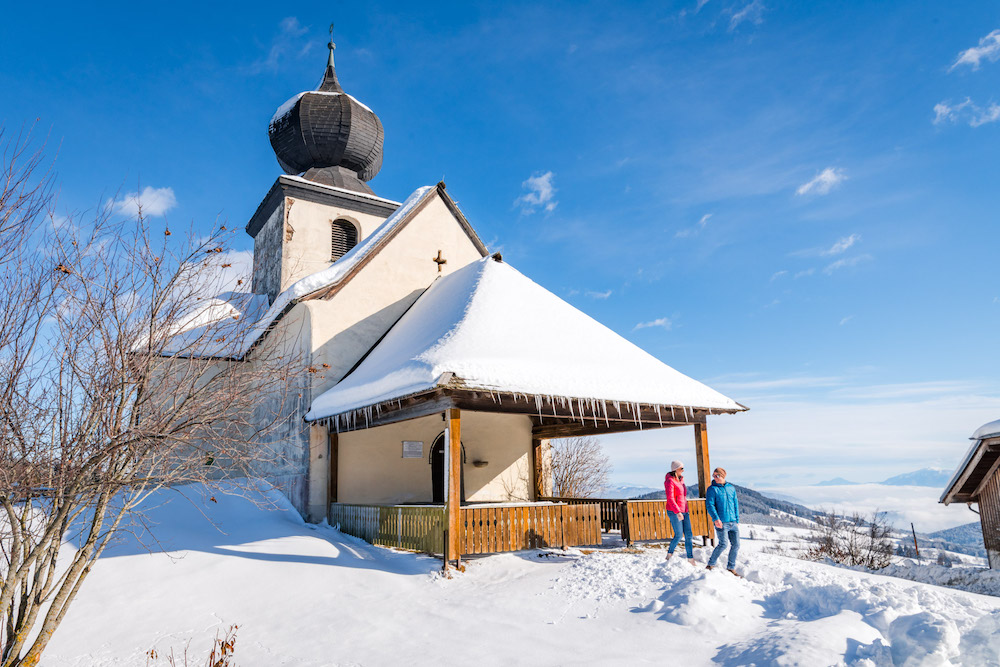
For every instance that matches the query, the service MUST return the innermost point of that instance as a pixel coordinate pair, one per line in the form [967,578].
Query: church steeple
[328,135]
[329,84]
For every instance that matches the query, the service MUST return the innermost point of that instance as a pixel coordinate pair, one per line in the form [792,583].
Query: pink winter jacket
[676,494]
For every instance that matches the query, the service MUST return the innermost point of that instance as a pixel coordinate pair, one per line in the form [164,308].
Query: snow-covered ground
[308,595]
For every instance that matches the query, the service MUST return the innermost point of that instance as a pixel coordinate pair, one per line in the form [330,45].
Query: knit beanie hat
[674,465]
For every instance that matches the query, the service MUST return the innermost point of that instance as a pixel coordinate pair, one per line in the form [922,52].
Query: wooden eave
[552,417]
[983,463]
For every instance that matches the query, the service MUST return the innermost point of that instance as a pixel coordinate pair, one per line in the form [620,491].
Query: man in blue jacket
[720,499]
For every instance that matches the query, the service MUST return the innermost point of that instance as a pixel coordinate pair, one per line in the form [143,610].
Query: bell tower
[329,145]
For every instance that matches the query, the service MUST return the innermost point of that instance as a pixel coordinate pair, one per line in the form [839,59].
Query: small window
[344,237]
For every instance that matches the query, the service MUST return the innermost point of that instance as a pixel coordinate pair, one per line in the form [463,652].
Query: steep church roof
[256,322]
[487,326]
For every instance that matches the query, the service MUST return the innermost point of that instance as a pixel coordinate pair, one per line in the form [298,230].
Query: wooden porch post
[537,474]
[701,457]
[453,489]
[333,456]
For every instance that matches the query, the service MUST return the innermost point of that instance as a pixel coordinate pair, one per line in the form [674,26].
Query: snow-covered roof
[495,329]
[259,320]
[218,327]
[988,430]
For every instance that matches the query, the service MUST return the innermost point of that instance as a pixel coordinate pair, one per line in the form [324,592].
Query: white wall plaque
[413,449]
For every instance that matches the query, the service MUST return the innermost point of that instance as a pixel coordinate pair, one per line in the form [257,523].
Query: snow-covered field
[308,595]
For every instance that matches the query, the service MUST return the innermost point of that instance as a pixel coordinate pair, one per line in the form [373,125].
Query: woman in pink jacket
[677,509]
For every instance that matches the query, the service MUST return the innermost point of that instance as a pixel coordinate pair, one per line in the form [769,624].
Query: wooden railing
[493,529]
[414,527]
[484,529]
[647,520]
[610,509]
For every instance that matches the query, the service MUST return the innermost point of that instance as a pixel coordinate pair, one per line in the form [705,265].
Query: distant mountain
[924,477]
[836,481]
[626,491]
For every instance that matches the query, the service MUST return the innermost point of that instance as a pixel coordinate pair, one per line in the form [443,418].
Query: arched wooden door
[437,469]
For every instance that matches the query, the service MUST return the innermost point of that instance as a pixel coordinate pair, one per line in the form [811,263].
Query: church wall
[287,438]
[307,237]
[346,326]
[267,247]
[371,469]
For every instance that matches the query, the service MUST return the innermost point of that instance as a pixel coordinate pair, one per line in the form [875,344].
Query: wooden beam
[701,458]
[453,487]
[537,468]
[334,456]
[568,429]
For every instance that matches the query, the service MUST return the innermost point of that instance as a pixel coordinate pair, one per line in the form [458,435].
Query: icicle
[604,407]
[659,417]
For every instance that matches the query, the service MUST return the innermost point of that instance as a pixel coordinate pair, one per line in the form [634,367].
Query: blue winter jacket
[720,499]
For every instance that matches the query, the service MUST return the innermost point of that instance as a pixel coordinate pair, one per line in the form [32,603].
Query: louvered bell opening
[345,237]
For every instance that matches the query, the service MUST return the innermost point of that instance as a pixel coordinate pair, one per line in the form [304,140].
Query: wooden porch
[502,527]
[482,529]
[455,529]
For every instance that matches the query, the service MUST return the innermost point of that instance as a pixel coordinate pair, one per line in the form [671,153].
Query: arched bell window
[344,236]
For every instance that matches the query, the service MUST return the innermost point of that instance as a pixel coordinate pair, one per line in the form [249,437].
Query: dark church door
[437,469]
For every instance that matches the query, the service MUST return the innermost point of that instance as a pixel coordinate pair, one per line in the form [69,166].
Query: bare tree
[580,468]
[854,540]
[119,375]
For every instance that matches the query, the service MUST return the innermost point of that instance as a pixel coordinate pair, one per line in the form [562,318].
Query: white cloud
[291,40]
[845,262]
[599,295]
[845,320]
[659,322]
[842,245]
[691,231]
[824,182]
[778,274]
[752,12]
[541,194]
[154,202]
[804,273]
[988,49]
[966,112]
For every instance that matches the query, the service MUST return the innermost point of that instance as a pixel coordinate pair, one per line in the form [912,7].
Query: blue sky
[793,202]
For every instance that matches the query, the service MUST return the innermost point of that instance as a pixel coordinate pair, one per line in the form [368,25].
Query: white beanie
[674,465]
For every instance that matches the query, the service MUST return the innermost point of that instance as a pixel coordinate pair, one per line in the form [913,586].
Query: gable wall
[347,325]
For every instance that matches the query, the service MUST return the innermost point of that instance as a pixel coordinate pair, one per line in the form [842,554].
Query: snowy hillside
[308,595]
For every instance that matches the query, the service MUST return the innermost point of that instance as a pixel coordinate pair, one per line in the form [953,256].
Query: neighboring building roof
[978,463]
[487,326]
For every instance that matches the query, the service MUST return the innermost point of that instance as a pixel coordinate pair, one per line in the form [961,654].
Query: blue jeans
[730,532]
[676,521]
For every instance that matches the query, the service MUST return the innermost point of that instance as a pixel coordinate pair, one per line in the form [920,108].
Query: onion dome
[329,135]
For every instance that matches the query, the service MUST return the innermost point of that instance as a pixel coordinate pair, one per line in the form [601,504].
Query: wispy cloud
[966,112]
[838,248]
[599,295]
[845,320]
[823,182]
[988,49]
[291,41]
[153,202]
[752,12]
[541,194]
[659,322]
[691,231]
[845,262]
[804,273]
[778,274]
[769,384]
[842,245]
